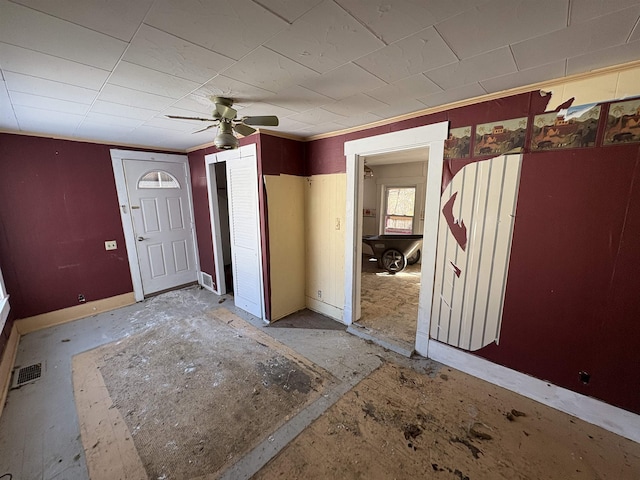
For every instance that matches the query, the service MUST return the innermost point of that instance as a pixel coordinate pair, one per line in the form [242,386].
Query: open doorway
[394,197]
[430,138]
[222,195]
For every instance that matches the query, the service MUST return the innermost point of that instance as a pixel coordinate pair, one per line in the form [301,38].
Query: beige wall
[598,88]
[325,211]
[286,199]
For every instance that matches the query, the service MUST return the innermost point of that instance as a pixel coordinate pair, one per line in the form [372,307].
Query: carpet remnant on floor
[398,423]
[198,393]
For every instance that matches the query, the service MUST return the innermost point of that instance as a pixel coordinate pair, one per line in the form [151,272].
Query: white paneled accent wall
[472,266]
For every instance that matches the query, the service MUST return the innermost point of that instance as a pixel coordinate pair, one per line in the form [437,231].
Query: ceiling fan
[226,118]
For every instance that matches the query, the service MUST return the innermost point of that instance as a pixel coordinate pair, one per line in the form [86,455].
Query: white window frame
[385,201]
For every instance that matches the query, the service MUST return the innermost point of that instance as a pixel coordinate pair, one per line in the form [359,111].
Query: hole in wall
[584,377]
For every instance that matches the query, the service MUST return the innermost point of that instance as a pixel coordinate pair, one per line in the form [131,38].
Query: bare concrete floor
[40,431]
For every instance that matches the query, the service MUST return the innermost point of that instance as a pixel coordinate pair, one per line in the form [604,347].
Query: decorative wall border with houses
[582,126]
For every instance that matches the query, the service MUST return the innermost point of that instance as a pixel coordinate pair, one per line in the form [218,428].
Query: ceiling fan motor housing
[225,140]
[226,118]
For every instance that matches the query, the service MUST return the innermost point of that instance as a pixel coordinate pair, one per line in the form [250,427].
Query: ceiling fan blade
[203,129]
[191,118]
[265,120]
[225,111]
[243,129]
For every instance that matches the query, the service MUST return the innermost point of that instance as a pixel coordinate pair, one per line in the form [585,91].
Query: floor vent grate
[27,374]
[207,281]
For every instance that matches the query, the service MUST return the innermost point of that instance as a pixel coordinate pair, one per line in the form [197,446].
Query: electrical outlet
[338,223]
[320,294]
[81,298]
[110,245]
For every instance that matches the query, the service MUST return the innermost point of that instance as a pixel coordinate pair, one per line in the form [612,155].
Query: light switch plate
[110,245]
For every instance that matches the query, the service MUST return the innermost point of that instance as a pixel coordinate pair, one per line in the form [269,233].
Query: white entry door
[244,224]
[160,210]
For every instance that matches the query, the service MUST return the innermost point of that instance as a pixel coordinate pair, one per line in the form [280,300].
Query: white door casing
[216,228]
[433,137]
[244,224]
[166,255]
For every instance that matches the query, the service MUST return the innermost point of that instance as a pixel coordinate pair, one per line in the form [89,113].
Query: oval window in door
[158,179]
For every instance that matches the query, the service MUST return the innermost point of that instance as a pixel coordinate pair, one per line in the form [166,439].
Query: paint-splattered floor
[443,424]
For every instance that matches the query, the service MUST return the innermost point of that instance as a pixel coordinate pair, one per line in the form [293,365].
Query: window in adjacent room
[400,205]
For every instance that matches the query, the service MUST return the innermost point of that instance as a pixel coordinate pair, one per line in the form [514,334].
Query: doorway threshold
[167,290]
[399,347]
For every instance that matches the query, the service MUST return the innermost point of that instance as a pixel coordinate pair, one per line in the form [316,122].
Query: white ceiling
[111,70]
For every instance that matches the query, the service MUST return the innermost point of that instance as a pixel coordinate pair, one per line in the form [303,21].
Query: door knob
[141,239]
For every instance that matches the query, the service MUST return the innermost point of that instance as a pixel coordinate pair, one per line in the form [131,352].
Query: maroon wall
[281,156]
[572,301]
[59,206]
[202,219]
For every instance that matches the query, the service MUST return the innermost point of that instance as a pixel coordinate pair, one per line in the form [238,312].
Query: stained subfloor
[389,303]
[347,408]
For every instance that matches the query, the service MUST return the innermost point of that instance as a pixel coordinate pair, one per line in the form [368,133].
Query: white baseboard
[614,419]
[325,309]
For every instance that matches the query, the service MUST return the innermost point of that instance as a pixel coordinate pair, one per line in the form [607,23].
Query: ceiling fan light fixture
[225,140]
[227,121]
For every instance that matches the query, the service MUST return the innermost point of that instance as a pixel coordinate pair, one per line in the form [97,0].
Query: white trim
[324,308]
[433,137]
[4,303]
[216,233]
[228,156]
[614,419]
[4,311]
[117,162]
[202,284]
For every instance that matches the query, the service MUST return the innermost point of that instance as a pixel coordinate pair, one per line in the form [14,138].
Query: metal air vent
[27,374]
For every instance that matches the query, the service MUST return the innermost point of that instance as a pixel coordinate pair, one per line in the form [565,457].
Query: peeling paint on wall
[471,273]
[457,227]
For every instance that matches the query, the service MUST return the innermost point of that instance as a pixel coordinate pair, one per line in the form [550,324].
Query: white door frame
[229,156]
[433,137]
[214,214]
[117,162]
